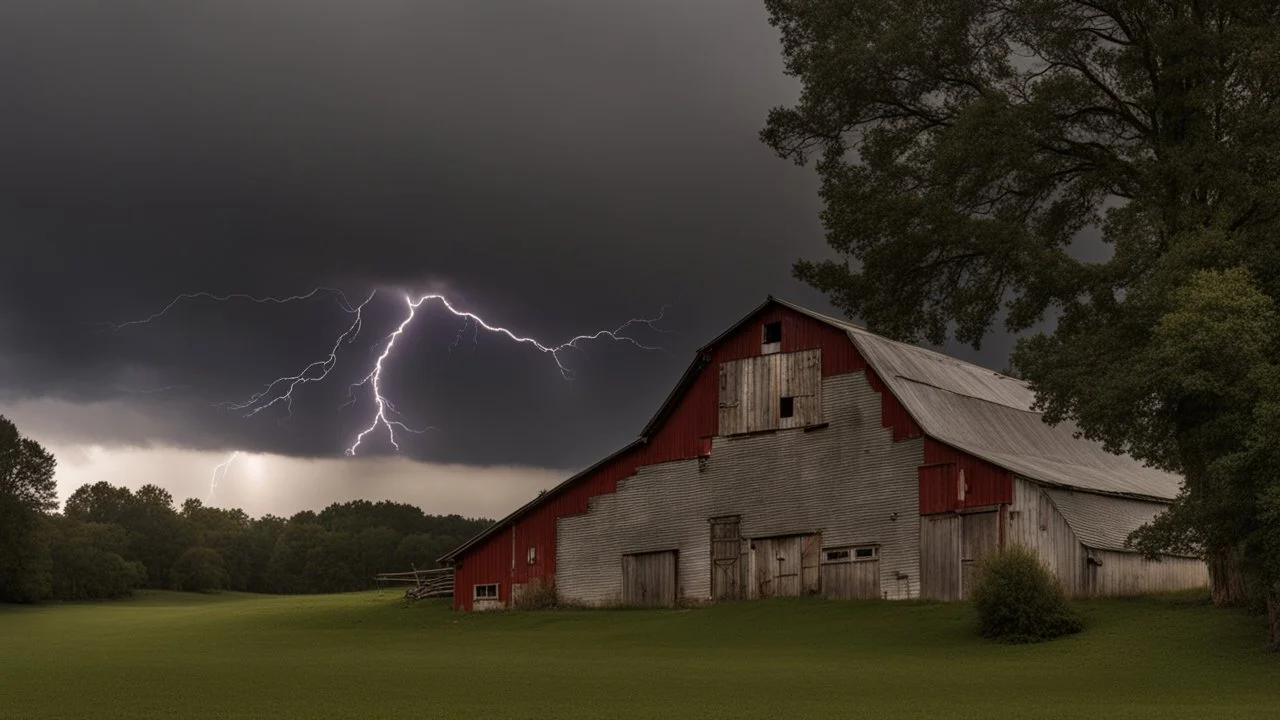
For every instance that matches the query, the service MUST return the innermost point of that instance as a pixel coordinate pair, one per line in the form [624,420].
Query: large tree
[965,148]
[27,494]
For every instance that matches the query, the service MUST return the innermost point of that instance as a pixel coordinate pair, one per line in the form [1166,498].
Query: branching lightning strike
[220,473]
[386,416]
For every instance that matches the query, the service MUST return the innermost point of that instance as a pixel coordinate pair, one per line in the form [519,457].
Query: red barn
[800,454]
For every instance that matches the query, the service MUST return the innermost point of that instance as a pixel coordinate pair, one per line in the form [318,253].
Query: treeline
[110,540]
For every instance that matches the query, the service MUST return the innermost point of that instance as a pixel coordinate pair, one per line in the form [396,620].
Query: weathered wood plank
[940,557]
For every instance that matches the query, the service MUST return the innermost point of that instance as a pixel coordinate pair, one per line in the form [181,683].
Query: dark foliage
[110,540]
[1019,601]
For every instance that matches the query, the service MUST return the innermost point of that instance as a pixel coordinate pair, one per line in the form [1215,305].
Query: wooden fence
[422,583]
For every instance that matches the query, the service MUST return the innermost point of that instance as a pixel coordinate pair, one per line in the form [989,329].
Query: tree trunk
[1226,577]
[1273,618]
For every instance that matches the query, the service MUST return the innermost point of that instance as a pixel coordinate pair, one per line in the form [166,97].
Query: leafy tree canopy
[965,146]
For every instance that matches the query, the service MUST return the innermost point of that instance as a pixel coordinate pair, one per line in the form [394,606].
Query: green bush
[1019,601]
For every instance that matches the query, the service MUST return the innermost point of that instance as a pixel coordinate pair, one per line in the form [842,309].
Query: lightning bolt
[220,473]
[336,294]
[385,416]
[313,372]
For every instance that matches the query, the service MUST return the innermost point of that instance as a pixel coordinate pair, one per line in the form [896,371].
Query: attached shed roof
[990,416]
[1100,522]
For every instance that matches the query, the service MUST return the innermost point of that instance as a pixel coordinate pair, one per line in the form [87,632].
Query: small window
[533,555]
[486,592]
[772,333]
[861,553]
[832,556]
[786,407]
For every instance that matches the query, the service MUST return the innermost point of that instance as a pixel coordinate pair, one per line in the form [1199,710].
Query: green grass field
[370,655]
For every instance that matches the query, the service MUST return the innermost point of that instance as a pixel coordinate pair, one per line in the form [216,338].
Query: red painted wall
[986,484]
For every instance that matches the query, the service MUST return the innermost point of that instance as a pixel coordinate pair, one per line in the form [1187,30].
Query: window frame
[786,406]
[497,591]
[851,554]
[765,334]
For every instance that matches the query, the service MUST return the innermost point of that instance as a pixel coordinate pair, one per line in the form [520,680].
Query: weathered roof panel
[1103,523]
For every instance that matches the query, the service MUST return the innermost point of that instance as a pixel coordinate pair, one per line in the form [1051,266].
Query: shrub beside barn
[800,454]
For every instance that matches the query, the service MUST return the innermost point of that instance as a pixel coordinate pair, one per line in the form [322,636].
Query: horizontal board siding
[846,481]
[1130,574]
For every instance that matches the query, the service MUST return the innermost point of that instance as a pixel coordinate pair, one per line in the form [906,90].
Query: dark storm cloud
[559,166]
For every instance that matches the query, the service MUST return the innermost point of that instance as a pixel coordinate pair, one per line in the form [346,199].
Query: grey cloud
[559,166]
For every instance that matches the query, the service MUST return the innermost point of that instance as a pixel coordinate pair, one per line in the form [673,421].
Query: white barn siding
[1124,573]
[1037,524]
[1036,520]
[846,480]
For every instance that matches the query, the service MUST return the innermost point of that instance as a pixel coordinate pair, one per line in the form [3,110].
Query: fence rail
[422,583]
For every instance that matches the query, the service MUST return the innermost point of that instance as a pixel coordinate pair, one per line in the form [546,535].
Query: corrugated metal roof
[990,415]
[1103,523]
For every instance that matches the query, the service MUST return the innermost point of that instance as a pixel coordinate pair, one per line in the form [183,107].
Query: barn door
[980,537]
[649,579]
[726,554]
[940,557]
[785,566]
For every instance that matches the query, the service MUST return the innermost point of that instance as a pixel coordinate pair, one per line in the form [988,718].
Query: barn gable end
[682,429]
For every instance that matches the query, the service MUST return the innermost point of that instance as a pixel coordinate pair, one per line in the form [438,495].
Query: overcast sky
[556,167]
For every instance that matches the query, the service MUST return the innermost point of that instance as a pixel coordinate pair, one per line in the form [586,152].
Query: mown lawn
[369,655]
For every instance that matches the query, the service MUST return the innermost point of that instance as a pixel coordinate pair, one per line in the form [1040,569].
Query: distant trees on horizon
[109,540]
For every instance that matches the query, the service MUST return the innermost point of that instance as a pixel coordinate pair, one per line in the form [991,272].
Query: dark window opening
[773,332]
[786,407]
[865,553]
[486,592]
[838,556]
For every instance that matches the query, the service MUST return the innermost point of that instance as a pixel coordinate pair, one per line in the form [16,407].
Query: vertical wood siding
[849,481]
[979,538]
[785,566]
[649,579]
[1122,573]
[685,432]
[851,580]
[940,557]
[1034,522]
[985,484]
[751,390]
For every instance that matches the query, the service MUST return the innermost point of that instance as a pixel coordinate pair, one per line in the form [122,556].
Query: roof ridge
[847,325]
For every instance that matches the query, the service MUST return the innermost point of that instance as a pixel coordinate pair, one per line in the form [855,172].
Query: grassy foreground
[369,655]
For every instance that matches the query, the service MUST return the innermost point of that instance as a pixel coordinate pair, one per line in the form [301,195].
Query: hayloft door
[726,558]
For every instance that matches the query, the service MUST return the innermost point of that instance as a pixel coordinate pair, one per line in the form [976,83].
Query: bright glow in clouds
[300,484]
